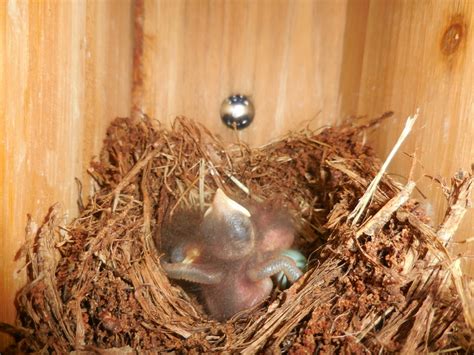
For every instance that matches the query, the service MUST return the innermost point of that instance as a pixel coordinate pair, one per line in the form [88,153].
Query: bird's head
[227,228]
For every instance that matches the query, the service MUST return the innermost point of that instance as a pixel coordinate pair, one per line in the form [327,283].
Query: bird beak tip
[225,204]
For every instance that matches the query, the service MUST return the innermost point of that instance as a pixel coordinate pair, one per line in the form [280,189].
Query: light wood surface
[420,54]
[65,72]
[286,55]
[319,62]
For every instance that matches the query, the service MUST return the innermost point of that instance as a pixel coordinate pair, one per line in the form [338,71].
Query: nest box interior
[69,69]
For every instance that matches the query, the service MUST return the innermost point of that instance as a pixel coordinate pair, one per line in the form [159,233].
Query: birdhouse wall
[318,62]
[420,55]
[65,73]
[285,55]
[68,68]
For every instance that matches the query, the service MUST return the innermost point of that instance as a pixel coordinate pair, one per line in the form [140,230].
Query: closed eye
[240,227]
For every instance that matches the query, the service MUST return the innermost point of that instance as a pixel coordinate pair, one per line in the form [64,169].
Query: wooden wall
[65,72]
[420,54]
[321,61]
[286,55]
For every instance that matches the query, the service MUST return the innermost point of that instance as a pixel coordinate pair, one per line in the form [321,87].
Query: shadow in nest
[96,284]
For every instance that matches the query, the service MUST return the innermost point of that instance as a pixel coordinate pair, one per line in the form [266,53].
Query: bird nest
[383,283]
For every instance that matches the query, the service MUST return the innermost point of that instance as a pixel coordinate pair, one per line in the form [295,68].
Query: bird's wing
[198,273]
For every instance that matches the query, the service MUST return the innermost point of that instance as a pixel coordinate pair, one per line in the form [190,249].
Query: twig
[130,175]
[365,199]
[147,210]
[239,184]
[460,195]
[465,290]
[450,350]
[181,197]
[373,225]
[374,324]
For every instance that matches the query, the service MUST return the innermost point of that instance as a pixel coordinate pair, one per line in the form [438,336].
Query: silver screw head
[237,111]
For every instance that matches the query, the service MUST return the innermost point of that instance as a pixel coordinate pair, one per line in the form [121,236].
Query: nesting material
[384,284]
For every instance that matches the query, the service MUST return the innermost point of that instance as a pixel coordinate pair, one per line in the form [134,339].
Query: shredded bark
[386,284]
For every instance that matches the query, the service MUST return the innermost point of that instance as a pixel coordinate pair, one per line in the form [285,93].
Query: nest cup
[382,285]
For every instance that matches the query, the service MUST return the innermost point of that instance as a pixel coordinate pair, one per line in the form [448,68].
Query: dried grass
[384,285]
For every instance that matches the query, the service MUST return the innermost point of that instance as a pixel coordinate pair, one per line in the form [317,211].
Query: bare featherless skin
[231,251]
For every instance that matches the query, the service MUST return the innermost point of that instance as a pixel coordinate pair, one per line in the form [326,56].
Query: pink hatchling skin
[231,251]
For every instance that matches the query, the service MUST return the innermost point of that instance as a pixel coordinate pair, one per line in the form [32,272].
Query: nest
[384,284]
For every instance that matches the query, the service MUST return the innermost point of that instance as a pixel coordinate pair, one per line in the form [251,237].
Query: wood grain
[286,55]
[317,62]
[420,54]
[65,72]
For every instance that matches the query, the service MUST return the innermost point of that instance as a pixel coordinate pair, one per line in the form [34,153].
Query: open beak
[224,205]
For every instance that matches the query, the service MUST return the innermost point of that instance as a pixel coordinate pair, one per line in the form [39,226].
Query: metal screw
[237,111]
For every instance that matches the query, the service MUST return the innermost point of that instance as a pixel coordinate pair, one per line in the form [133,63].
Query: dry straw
[384,284]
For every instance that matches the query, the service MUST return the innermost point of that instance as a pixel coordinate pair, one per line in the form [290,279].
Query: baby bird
[231,251]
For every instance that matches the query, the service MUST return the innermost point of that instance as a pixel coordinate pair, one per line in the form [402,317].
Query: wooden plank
[285,54]
[420,54]
[65,72]
[353,55]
